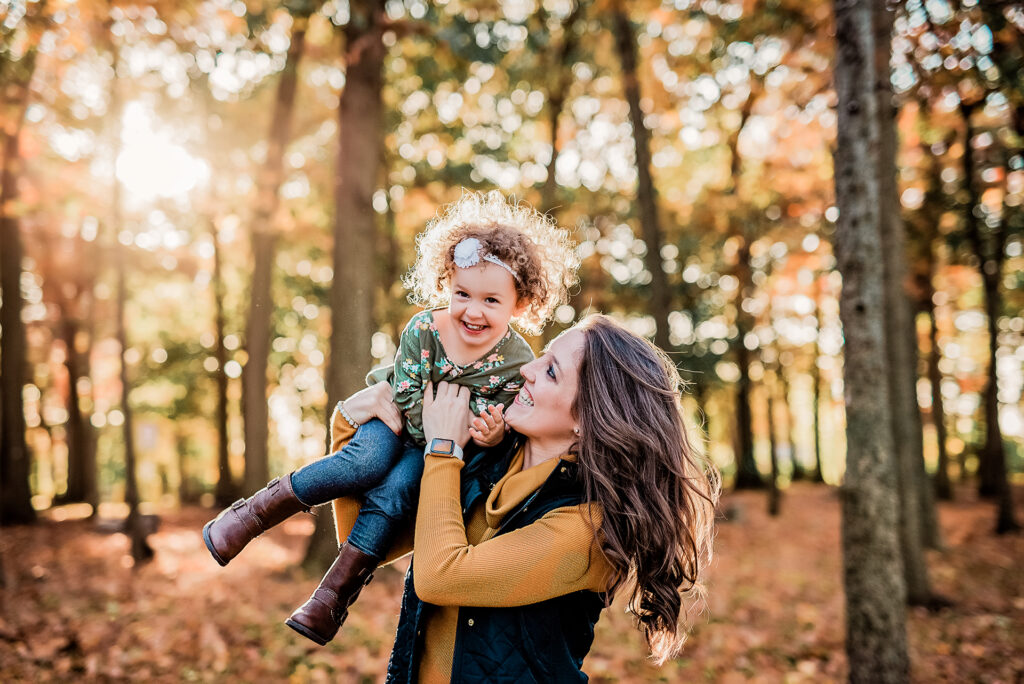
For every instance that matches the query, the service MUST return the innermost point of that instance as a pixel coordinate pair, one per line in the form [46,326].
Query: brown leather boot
[228,533]
[320,617]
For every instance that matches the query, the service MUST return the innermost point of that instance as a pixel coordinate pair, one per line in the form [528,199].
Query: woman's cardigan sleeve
[553,556]
[346,509]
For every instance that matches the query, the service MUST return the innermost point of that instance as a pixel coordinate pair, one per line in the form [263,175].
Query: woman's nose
[527,371]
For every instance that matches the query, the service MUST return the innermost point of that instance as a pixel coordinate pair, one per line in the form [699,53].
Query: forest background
[206,209]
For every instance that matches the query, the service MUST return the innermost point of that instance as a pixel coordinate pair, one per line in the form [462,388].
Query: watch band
[446,448]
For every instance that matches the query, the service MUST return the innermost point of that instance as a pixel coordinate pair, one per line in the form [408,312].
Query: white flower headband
[467,253]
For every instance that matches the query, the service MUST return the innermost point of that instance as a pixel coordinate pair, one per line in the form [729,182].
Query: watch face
[442,446]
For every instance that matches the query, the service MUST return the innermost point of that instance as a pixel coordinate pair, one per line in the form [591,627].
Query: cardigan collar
[517,485]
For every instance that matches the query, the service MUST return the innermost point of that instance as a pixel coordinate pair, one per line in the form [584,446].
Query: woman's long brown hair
[656,493]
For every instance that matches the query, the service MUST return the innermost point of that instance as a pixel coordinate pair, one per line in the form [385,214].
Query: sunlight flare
[151,163]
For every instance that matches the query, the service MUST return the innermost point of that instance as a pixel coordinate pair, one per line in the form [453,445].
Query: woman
[518,549]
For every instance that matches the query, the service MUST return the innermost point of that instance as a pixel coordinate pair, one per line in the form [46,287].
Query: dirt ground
[74,609]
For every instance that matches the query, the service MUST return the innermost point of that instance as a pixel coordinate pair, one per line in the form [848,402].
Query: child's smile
[483,301]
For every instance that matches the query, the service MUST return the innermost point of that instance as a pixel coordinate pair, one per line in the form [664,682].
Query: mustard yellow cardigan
[460,561]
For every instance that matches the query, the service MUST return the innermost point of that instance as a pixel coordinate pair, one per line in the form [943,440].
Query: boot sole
[209,544]
[306,632]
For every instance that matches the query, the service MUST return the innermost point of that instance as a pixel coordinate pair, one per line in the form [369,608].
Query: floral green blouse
[492,379]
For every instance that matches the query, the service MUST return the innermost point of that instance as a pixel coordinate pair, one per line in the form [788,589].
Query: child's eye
[491,300]
[460,293]
[551,371]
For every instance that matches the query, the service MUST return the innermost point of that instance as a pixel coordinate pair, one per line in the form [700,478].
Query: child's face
[483,301]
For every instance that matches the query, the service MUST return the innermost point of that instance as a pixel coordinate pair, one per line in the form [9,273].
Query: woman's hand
[447,414]
[489,428]
[376,401]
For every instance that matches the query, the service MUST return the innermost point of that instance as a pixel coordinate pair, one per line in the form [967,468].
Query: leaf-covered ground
[74,609]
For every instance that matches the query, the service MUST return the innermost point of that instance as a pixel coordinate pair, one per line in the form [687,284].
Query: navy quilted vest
[541,642]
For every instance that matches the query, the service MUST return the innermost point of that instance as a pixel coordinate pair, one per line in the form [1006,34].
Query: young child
[491,261]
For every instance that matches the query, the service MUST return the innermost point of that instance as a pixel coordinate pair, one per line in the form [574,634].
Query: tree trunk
[257,334]
[556,101]
[994,459]
[87,325]
[188,492]
[73,301]
[901,336]
[15,459]
[646,201]
[931,533]
[352,296]
[992,469]
[81,446]
[747,474]
[67,330]
[225,490]
[392,314]
[254,374]
[876,640]
[923,259]
[816,398]
[547,193]
[798,472]
[773,480]
[943,487]
[134,527]
[992,443]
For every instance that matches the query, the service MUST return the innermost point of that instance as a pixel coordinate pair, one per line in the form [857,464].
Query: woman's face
[543,408]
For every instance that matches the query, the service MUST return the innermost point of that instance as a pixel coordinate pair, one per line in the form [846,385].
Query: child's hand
[488,429]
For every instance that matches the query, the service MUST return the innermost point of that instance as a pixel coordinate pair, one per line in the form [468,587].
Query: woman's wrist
[348,418]
[443,447]
[461,439]
[372,402]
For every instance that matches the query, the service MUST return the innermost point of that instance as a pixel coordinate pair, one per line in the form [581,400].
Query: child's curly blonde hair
[542,255]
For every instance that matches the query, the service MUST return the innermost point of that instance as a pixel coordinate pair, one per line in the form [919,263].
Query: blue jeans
[377,465]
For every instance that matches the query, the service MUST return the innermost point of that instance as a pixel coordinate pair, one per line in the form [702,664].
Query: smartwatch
[443,447]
